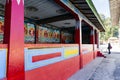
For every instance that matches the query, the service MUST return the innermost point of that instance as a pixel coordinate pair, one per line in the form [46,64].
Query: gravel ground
[109,69]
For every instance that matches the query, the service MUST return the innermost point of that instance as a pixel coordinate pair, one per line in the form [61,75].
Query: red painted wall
[95,52]
[87,58]
[58,71]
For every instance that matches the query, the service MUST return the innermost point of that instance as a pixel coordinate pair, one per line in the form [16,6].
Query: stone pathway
[86,72]
[109,69]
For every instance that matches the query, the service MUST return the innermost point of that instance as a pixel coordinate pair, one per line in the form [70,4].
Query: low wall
[87,53]
[3,61]
[51,62]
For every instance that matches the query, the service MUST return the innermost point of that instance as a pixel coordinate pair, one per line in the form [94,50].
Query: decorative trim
[35,58]
[71,51]
[45,57]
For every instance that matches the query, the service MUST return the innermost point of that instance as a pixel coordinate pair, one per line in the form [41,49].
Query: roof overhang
[115,11]
[87,8]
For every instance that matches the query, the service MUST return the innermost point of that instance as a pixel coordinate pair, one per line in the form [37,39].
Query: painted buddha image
[45,33]
[25,30]
[31,32]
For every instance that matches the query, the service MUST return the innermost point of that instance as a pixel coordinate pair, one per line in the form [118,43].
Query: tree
[110,31]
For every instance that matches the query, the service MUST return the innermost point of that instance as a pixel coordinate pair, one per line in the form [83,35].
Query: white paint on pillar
[79,26]
[18,1]
[92,32]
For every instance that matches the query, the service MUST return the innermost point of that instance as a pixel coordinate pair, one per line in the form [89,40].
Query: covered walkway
[47,39]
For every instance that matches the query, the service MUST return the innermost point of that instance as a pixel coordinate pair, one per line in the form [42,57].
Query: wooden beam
[54,19]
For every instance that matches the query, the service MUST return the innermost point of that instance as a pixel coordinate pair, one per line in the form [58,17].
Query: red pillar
[96,38]
[78,39]
[92,40]
[61,36]
[92,37]
[36,34]
[14,37]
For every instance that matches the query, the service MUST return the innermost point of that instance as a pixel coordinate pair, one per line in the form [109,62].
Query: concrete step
[87,71]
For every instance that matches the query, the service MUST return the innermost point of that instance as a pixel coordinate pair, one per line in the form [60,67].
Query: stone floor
[109,68]
[87,71]
[100,69]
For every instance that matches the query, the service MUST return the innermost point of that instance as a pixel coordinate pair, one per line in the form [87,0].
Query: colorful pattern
[67,37]
[29,30]
[1,28]
[35,58]
[47,35]
[46,56]
[29,53]
[71,51]
[3,60]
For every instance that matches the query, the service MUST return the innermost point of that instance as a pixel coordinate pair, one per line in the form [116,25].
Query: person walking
[109,47]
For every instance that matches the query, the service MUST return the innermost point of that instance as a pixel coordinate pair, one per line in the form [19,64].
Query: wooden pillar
[78,39]
[14,37]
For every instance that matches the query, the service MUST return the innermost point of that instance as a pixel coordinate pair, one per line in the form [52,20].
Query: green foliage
[110,31]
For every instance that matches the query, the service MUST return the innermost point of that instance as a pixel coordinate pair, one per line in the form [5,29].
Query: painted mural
[48,35]
[66,37]
[1,29]
[29,31]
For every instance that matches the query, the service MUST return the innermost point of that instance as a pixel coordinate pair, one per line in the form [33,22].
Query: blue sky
[102,7]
